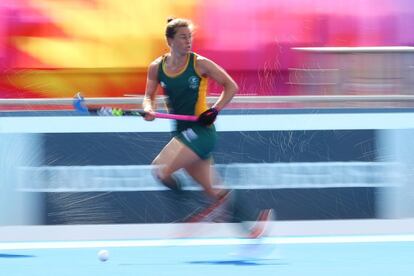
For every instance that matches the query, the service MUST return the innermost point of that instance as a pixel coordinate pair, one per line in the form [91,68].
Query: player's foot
[213,211]
[260,226]
[173,183]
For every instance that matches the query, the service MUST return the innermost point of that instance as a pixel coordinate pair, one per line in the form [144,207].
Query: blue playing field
[318,255]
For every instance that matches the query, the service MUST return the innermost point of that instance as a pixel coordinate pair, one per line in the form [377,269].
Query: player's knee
[168,180]
[160,174]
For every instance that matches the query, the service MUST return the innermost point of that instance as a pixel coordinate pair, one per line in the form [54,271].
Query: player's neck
[177,59]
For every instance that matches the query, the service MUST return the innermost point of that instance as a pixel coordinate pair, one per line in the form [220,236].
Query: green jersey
[186,91]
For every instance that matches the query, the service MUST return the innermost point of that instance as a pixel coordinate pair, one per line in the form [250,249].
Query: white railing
[349,50]
[237,99]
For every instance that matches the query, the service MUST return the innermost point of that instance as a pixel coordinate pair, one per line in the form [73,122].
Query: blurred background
[101,47]
[319,162]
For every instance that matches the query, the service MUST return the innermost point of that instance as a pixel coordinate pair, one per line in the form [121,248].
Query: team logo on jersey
[193,82]
[163,85]
[189,134]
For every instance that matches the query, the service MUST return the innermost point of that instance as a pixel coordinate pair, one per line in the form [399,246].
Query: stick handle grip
[176,117]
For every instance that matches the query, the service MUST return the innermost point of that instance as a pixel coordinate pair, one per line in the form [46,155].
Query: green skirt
[200,139]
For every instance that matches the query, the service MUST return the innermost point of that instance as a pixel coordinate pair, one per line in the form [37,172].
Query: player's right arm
[149,103]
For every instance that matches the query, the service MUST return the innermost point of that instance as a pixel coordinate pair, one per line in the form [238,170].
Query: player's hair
[174,23]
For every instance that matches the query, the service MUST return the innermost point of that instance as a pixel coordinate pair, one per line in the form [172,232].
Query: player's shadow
[16,256]
[240,262]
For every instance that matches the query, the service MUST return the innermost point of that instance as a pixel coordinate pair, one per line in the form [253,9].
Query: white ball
[103,255]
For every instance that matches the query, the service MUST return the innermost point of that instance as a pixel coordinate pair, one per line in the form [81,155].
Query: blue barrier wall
[91,149]
[339,145]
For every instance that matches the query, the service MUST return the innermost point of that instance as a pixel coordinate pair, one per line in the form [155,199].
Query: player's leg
[174,156]
[193,147]
[203,173]
[252,218]
[254,222]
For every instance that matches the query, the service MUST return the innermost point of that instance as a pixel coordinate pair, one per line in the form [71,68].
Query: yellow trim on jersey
[178,73]
[201,104]
[195,65]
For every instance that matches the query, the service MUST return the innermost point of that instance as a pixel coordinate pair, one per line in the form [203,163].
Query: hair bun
[169,19]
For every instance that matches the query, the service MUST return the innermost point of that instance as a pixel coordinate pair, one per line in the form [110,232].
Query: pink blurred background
[101,47]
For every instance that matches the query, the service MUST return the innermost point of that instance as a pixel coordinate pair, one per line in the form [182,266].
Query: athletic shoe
[212,212]
[261,224]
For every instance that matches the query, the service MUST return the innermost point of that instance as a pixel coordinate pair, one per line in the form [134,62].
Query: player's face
[182,41]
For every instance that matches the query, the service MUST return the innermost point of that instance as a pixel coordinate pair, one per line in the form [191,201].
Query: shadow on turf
[240,262]
[15,256]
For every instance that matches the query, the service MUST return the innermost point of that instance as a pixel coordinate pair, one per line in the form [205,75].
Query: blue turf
[392,258]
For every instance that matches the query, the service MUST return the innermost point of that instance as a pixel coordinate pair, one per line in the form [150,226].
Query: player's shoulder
[203,62]
[200,58]
[154,65]
[156,62]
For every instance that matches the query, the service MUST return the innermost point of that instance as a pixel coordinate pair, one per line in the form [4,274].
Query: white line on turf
[205,242]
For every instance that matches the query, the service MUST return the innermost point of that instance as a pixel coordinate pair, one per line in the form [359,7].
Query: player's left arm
[210,69]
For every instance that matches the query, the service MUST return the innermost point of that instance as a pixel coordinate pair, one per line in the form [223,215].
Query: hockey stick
[80,106]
